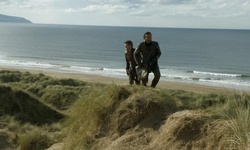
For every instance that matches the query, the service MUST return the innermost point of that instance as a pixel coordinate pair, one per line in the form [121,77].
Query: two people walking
[144,57]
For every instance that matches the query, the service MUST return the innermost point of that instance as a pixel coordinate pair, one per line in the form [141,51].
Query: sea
[215,57]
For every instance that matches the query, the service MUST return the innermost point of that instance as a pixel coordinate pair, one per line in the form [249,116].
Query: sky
[225,14]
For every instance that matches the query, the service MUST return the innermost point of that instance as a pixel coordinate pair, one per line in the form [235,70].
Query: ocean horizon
[216,57]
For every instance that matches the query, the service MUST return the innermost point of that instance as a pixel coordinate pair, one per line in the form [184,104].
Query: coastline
[190,87]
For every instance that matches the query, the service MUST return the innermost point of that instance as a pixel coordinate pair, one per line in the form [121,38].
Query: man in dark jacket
[130,62]
[146,56]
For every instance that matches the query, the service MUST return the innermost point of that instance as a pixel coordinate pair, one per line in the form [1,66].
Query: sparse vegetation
[37,111]
[237,115]
[35,140]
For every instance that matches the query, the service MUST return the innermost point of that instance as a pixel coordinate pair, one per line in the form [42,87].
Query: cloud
[19,4]
[105,8]
[4,1]
[165,8]
[176,2]
[202,8]
[135,11]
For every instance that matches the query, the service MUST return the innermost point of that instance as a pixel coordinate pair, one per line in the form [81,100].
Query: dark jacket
[147,54]
[130,60]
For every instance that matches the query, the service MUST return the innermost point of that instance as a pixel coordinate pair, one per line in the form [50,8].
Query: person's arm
[158,51]
[127,64]
[157,54]
[137,56]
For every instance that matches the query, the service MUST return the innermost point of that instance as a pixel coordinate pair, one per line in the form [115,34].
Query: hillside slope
[13,19]
[41,112]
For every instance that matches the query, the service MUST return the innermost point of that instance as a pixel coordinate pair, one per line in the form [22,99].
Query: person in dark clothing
[146,56]
[130,62]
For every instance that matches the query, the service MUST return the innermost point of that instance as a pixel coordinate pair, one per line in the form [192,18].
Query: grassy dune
[40,112]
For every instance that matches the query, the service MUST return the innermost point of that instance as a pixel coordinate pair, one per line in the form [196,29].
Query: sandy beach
[121,81]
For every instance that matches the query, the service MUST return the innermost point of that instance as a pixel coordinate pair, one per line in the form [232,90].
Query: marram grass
[84,112]
[237,114]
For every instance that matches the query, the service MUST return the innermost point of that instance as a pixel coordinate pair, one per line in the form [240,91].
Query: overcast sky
[234,14]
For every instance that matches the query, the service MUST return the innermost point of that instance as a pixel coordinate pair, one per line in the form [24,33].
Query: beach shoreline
[92,78]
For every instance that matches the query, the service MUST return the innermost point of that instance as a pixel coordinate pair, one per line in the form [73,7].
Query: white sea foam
[217,74]
[217,79]
[27,64]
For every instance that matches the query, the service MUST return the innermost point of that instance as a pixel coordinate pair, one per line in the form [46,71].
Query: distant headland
[13,19]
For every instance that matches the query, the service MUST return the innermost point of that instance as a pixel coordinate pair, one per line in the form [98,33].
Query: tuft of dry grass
[237,115]
[35,140]
[86,116]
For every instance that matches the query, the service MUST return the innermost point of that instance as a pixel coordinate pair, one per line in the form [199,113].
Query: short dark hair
[129,42]
[146,33]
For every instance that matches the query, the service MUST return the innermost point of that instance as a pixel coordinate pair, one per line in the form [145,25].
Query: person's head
[147,37]
[128,45]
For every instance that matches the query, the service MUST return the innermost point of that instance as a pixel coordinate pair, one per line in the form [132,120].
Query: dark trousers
[133,77]
[157,74]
